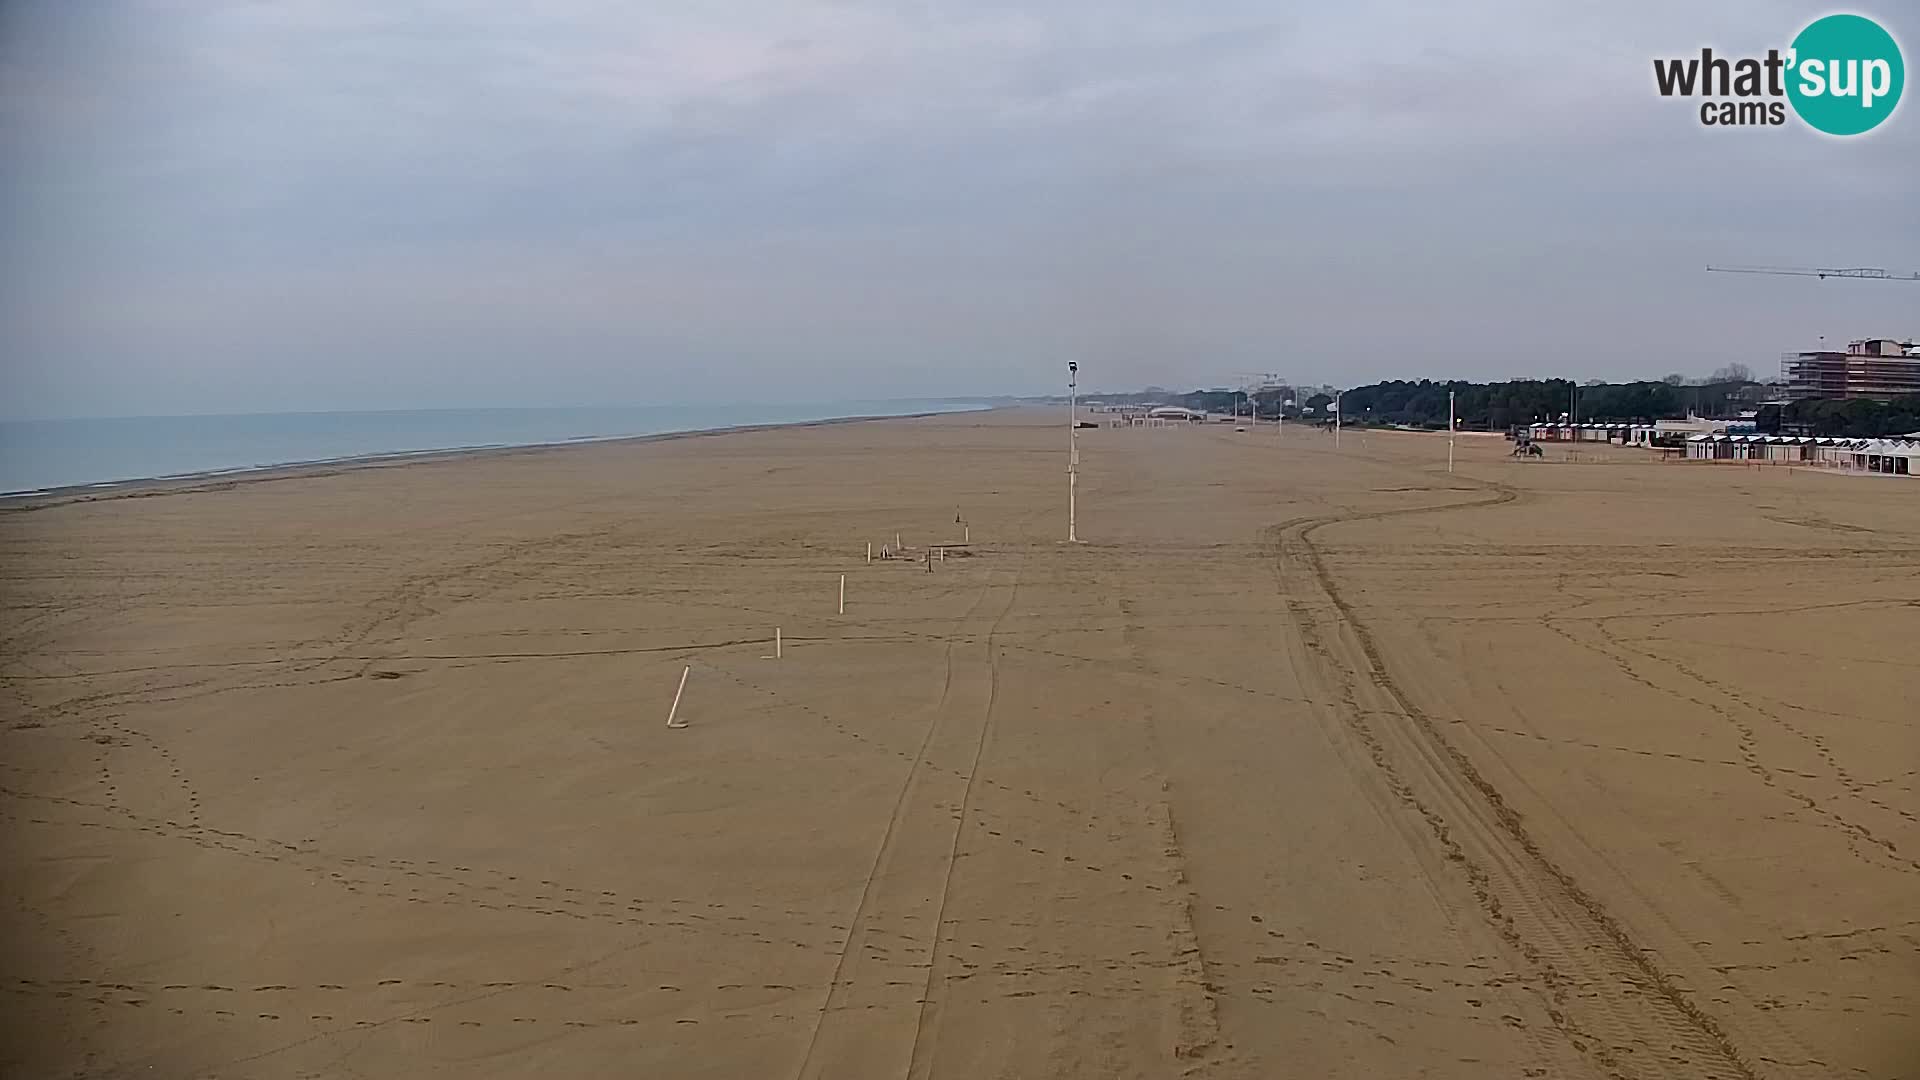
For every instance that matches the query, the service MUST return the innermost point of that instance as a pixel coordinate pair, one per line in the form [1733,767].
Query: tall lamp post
[1450,426]
[1073,448]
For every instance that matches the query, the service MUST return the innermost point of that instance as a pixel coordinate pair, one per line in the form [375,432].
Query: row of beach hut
[1897,457]
[1656,433]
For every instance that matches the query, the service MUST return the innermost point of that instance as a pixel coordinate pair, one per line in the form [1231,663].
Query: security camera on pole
[1073,448]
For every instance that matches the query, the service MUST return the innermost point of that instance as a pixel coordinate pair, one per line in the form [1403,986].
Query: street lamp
[1073,448]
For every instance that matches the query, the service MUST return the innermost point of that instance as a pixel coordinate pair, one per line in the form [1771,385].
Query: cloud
[232,205]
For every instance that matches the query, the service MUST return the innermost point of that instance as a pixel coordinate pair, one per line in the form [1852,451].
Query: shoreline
[277,759]
[225,479]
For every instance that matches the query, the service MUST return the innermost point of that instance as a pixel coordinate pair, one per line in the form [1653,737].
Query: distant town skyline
[339,204]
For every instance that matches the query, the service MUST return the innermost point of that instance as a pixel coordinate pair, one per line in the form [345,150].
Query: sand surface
[1310,763]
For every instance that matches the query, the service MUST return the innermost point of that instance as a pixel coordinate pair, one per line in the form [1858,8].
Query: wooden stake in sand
[675,711]
[776,645]
[843,594]
[869,553]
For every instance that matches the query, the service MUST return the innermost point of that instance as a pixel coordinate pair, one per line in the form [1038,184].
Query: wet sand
[1310,762]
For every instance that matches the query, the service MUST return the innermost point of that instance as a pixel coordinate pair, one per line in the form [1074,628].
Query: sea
[37,456]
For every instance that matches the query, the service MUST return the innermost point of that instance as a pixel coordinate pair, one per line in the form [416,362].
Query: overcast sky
[214,205]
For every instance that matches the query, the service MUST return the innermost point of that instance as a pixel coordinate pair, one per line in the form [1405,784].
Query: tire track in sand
[918,1064]
[1602,990]
[900,865]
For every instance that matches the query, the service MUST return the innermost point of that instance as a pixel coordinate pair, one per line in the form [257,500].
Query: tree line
[1500,406]
[1851,419]
[1483,406]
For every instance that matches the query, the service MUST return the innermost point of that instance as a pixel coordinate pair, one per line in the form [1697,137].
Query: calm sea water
[36,455]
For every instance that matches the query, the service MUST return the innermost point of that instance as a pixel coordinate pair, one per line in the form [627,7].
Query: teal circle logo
[1846,74]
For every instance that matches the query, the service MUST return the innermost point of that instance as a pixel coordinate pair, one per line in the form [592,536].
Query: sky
[258,205]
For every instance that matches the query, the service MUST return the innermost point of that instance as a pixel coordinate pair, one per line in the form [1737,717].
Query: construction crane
[1789,362]
[1865,273]
[1252,383]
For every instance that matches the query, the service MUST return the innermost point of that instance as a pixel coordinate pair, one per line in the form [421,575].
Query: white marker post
[1073,450]
[776,645]
[869,553]
[843,594]
[1450,426]
[966,533]
[675,711]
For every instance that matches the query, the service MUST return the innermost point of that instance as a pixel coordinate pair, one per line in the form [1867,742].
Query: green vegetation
[1502,405]
[1855,419]
[1497,406]
[1484,406]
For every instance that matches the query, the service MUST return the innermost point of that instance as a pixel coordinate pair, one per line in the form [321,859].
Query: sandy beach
[1311,762]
